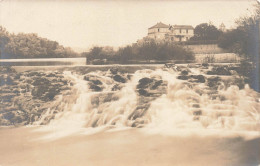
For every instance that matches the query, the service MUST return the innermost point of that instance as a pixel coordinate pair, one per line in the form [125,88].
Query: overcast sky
[116,23]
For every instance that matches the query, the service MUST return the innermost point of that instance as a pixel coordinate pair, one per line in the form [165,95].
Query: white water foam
[182,109]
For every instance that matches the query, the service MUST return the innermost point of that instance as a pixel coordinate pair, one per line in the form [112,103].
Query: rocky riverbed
[25,96]
[119,96]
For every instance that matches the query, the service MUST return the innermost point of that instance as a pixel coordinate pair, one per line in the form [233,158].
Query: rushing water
[154,100]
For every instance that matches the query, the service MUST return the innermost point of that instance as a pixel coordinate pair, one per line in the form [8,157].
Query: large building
[174,33]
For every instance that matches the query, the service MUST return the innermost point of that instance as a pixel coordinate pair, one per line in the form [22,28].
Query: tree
[205,31]
[95,53]
[126,54]
[244,40]
[30,46]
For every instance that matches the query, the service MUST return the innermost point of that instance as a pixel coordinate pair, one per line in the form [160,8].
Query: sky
[83,24]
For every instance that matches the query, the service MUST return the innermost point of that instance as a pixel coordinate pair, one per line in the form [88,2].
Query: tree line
[146,52]
[30,46]
[242,40]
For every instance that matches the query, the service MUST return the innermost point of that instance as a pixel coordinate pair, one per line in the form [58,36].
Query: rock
[8,115]
[51,75]
[95,88]
[40,81]
[143,92]
[38,74]
[45,89]
[116,87]
[6,80]
[119,78]
[239,82]
[50,95]
[113,70]
[7,97]
[38,92]
[7,70]
[144,82]
[197,112]
[205,64]
[221,70]
[196,118]
[184,72]
[87,77]
[129,76]
[17,76]
[93,79]
[102,98]
[150,87]
[183,77]
[213,82]
[139,112]
[96,82]
[156,84]
[198,78]
[196,105]
[139,123]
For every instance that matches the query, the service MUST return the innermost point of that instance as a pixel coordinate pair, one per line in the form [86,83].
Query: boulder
[93,79]
[143,92]
[119,78]
[96,82]
[95,88]
[198,78]
[183,77]
[213,82]
[184,72]
[144,82]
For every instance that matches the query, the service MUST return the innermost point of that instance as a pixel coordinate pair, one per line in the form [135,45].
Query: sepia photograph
[129,83]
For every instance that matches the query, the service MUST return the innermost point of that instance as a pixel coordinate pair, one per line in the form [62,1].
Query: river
[128,115]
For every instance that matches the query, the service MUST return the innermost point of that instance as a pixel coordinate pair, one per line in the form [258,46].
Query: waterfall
[153,100]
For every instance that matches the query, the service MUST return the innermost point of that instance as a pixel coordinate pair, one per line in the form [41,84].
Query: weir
[162,99]
[156,100]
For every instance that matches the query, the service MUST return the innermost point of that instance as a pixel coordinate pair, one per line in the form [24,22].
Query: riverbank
[22,147]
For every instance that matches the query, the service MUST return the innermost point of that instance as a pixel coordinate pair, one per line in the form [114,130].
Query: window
[180,30]
[172,38]
[158,30]
[187,30]
[187,38]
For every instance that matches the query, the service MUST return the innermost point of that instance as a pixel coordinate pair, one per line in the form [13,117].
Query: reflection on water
[43,62]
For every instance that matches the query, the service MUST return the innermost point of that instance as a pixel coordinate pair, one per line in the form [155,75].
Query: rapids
[154,100]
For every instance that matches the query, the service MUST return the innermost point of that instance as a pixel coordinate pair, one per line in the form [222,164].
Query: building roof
[183,26]
[160,25]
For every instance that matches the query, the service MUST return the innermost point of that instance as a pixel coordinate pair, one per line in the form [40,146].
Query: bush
[147,52]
